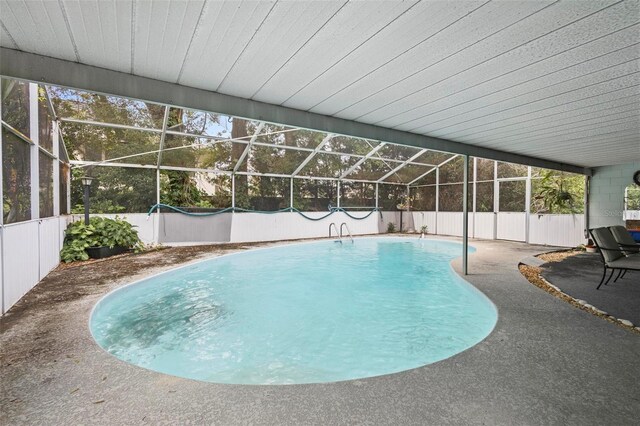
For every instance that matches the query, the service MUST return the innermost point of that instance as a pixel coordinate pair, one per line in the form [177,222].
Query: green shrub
[100,232]
[391,227]
[424,229]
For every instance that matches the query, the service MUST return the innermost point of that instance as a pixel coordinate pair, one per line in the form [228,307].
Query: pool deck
[546,362]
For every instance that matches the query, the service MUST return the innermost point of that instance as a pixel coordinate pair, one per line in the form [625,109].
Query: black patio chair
[613,256]
[624,239]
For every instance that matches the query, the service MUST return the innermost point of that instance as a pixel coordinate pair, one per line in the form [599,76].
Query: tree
[558,192]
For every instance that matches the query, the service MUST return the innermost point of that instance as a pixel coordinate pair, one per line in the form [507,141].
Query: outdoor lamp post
[86,183]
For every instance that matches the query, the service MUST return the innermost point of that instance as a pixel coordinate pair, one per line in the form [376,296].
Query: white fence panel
[424,218]
[450,223]
[49,245]
[484,225]
[562,230]
[2,309]
[388,217]
[20,259]
[180,228]
[282,226]
[511,226]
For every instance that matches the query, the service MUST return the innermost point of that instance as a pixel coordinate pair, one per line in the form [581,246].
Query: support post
[496,199]
[338,195]
[291,193]
[233,191]
[408,206]
[527,207]
[587,182]
[69,191]
[56,169]
[475,195]
[377,194]
[34,151]
[157,224]
[465,218]
[435,231]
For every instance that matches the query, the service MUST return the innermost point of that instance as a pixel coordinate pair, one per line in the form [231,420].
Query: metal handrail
[338,234]
[348,232]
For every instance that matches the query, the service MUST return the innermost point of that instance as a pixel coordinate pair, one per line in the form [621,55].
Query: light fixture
[86,183]
[86,180]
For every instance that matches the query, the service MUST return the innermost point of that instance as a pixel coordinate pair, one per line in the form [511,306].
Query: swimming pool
[298,313]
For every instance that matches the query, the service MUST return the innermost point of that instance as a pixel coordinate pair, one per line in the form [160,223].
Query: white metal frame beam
[34,67]
[362,160]
[222,139]
[81,163]
[435,168]
[248,147]
[313,154]
[397,169]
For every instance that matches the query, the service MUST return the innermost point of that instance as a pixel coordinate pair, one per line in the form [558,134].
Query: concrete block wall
[606,195]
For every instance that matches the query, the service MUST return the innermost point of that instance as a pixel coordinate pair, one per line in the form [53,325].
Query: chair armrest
[637,245]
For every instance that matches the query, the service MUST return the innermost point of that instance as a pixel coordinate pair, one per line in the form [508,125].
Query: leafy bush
[100,232]
[391,227]
[424,229]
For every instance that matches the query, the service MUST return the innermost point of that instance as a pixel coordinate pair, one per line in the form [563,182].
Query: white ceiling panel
[554,29]
[37,27]
[6,39]
[454,93]
[553,125]
[620,125]
[289,26]
[421,23]
[353,25]
[557,80]
[102,32]
[591,104]
[508,100]
[163,32]
[479,116]
[460,39]
[224,31]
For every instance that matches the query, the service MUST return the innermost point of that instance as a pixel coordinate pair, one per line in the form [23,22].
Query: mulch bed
[532,274]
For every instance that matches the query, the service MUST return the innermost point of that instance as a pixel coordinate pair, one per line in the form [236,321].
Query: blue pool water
[302,313]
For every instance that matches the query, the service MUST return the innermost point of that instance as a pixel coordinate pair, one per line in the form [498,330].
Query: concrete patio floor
[546,362]
[579,275]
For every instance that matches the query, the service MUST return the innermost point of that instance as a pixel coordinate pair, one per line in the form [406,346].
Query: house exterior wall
[606,193]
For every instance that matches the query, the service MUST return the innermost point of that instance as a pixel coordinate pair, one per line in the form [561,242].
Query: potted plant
[102,237]
[423,230]
[590,247]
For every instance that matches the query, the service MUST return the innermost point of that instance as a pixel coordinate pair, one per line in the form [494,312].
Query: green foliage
[633,197]
[557,192]
[424,229]
[101,232]
[115,190]
[178,188]
[391,227]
